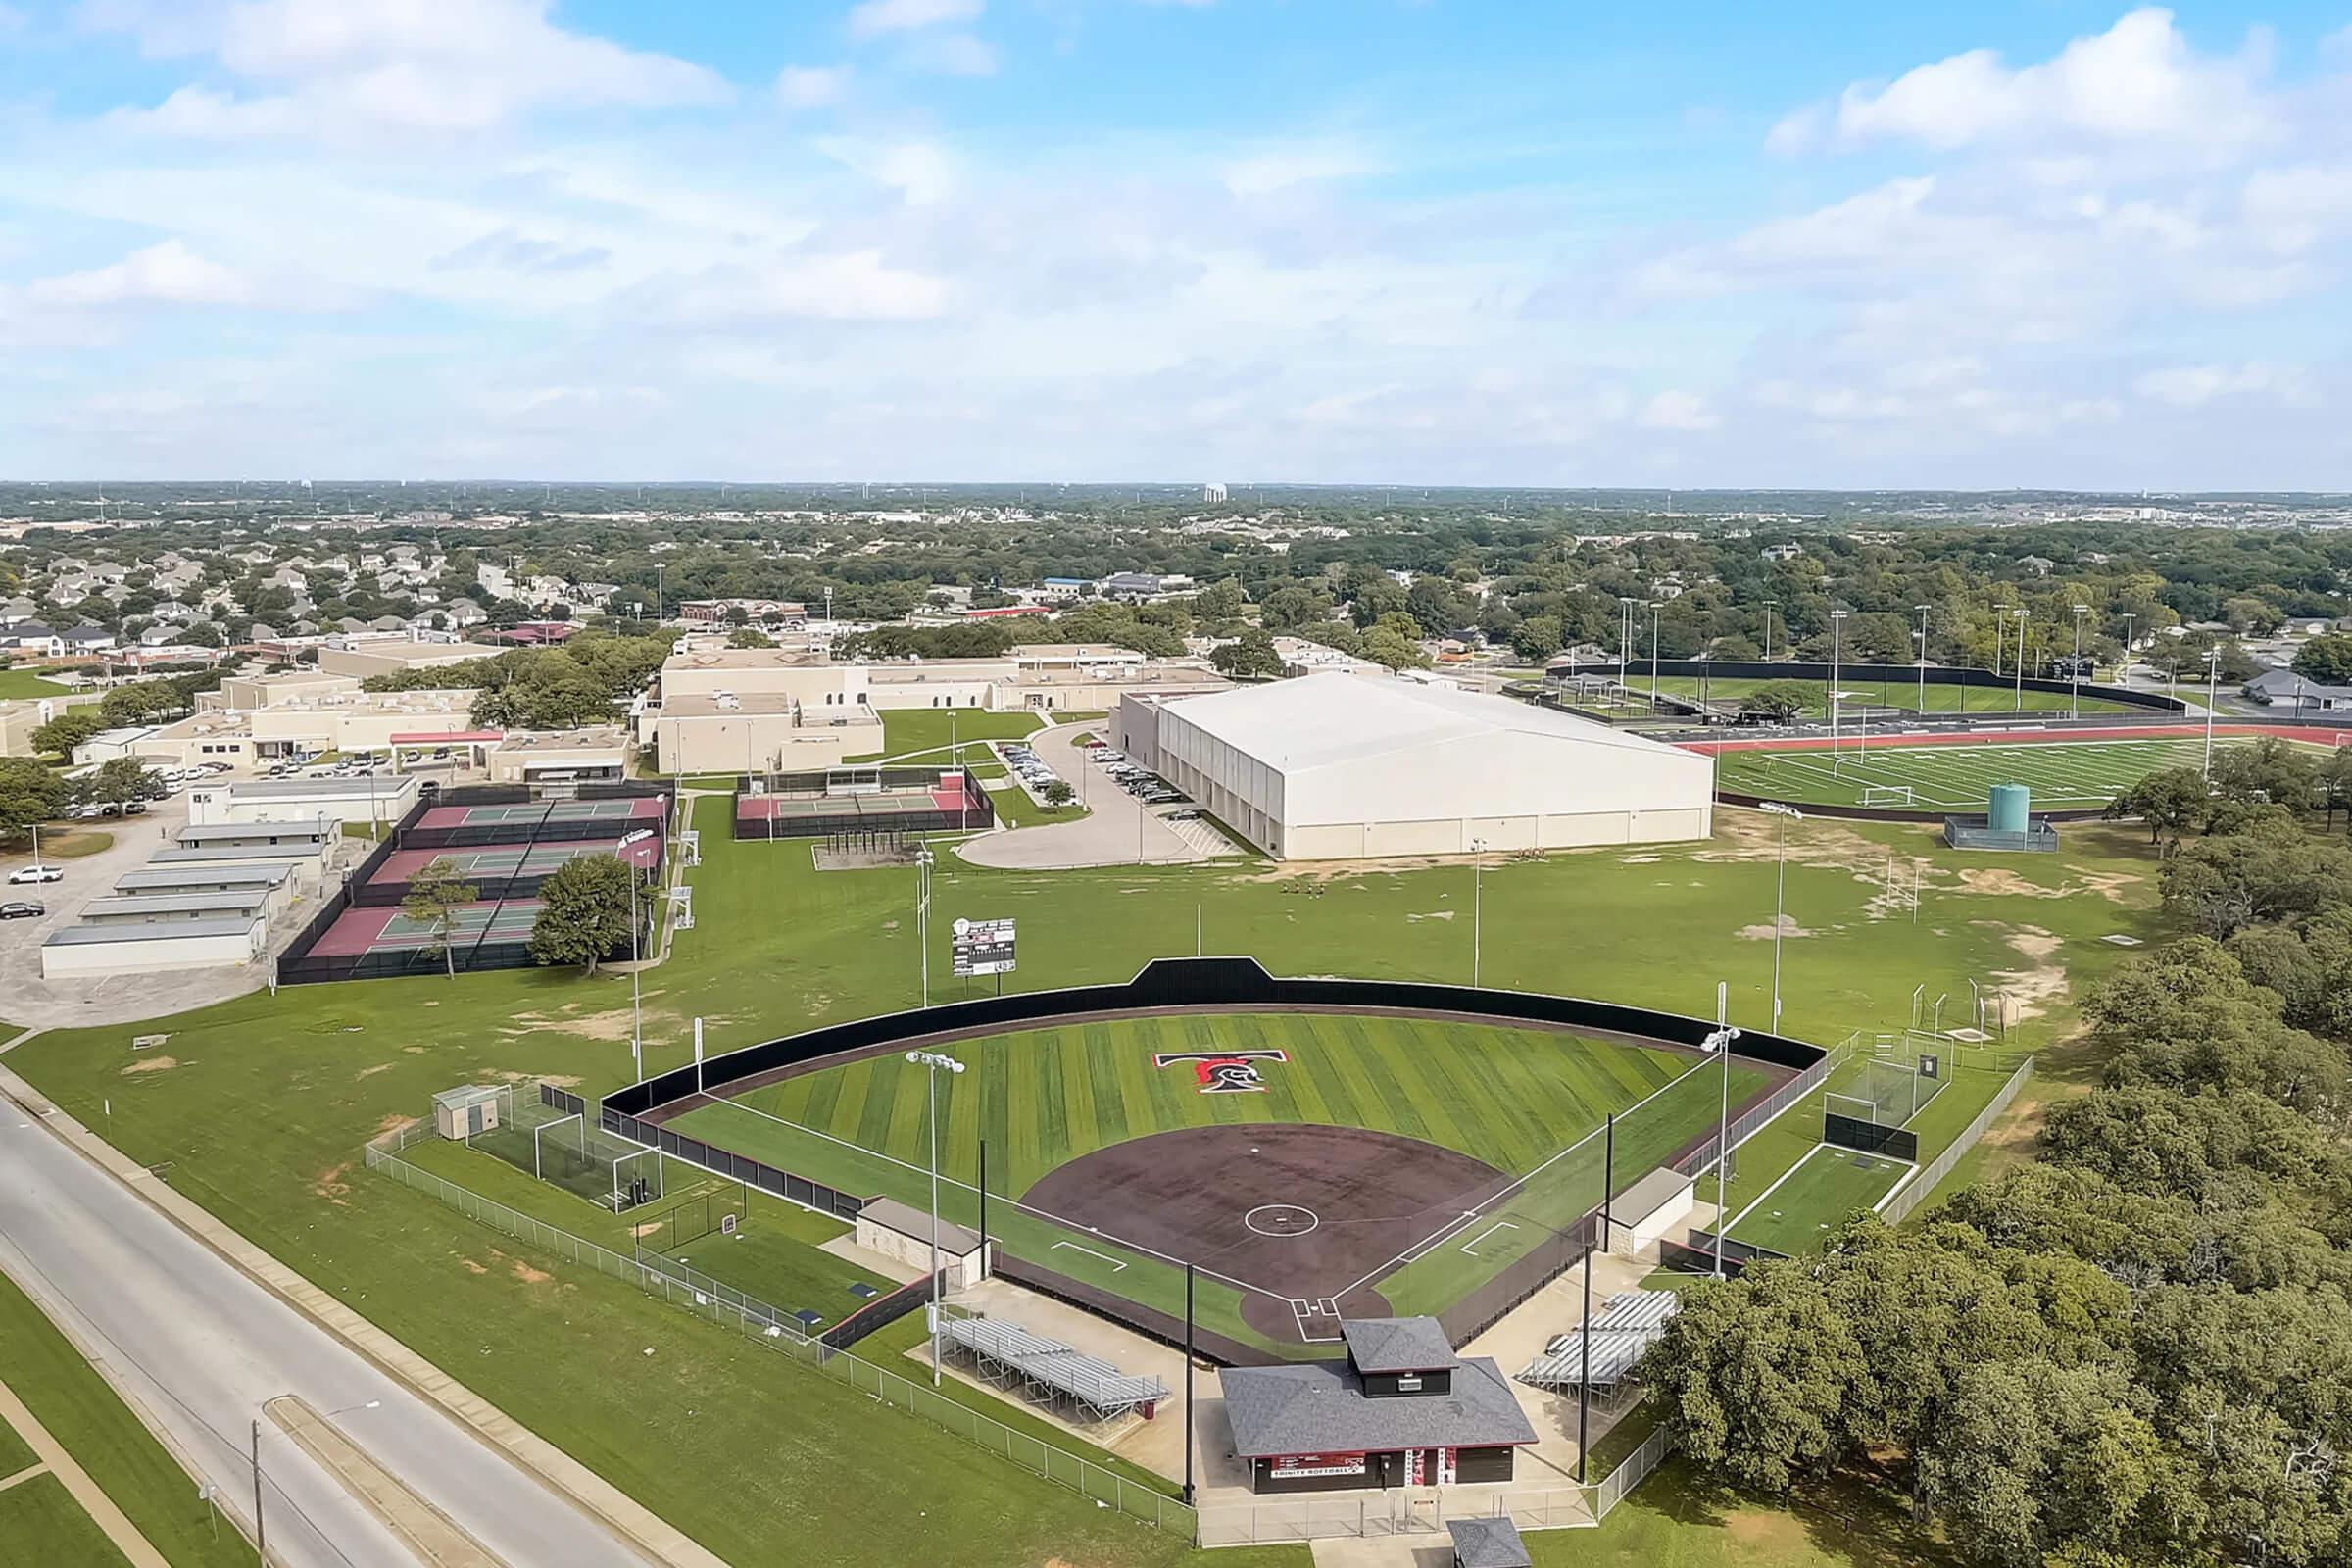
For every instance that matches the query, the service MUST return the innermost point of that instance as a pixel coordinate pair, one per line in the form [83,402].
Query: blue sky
[1431,241]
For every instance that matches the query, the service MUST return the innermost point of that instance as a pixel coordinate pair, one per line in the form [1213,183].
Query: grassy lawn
[906,730]
[2063,775]
[71,843]
[41,1523]
[25,683]
[1678,1519]
[267,1099]
[1942,697]
[15,1452]
[66,1396]
[1014,808]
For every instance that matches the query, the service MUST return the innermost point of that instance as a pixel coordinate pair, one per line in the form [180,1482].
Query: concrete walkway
[56,1461]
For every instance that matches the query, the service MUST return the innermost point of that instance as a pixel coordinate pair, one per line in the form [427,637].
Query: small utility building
[1338,766]
[1403,1410]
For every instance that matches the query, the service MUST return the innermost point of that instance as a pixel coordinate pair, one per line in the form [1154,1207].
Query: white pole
[2075,676]
[931,1078]
[1477,864]
[1836,655]
[1923,658]
[2021,658]
[698,1055]
[636,1001]
[2213,691]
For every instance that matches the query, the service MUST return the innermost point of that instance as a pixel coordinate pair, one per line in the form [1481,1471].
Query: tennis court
[1958,774]
[527,813]
[389,930]
[490,864]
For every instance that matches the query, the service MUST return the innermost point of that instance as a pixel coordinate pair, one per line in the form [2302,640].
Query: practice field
[1816,1196]
[387,930]
[1306,1163]
[1942,697]
[1957,775]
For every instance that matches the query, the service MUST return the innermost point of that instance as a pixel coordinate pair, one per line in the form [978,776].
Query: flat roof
[1321,1409]
[87,936]
[155,878]
[907,1220]
[173,903]
[231,854]
[198,834]
[325,789]
[604,738]
[701,705]
[1647,1195]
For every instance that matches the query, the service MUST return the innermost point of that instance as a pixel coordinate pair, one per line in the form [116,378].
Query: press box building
[1344,766]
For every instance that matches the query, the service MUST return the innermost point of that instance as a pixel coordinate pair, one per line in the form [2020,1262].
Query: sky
[1497,242]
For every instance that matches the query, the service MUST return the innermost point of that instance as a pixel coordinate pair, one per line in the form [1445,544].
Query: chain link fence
[1918,1190]
[692,1290]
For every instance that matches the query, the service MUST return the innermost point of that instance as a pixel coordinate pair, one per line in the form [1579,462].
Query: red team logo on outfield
[1223,1072]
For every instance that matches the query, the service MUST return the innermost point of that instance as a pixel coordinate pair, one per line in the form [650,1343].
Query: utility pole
[260,1539]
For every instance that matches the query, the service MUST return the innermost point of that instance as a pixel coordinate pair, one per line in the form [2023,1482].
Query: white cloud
[2140,80]
[2193,386]
[392,65]
[954,54]
[875,17]
[1675,410]
[1279,168]
[811,86]
[923,173]
[169,273]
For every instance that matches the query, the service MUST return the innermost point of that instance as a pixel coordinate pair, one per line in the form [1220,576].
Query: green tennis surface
[2063,775]
[1815,1197]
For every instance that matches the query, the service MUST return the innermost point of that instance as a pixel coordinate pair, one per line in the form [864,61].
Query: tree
[436,893]
[1393,649]
[2170,800]
[2267,769]
[1538,637]
[2327,660]
[748,637]
[1251,657]
[1781,701]
[1219,601]
[68,730]
[1058,792]
[1293,606]
[140,701]
[30,793]
[121,780]
[584,912]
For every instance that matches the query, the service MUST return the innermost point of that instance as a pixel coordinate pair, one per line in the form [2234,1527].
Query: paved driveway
[1117,830]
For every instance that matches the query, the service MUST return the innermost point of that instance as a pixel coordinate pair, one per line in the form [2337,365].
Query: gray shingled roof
[1489,1543]
[1398,1345]
[1321,1409]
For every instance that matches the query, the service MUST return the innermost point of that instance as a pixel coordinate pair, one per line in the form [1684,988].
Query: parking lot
[1119,829]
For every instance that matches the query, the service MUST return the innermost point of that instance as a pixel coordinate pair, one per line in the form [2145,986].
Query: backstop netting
[572,1152]
[1871,1103]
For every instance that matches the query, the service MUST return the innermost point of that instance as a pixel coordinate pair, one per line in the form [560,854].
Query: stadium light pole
[1720,1040]
[1836,661]
[2075,674]
[933,1064]
[1654,608]
[1477,864]
[1624,637]
[1769,605]
[2021,658]
[1922,658]
[2213,692]
[2125,677]
[922,917]
[636,1004]
[1779,894]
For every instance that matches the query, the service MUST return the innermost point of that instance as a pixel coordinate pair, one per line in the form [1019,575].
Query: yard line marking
[1115,1265]
[1499,1225]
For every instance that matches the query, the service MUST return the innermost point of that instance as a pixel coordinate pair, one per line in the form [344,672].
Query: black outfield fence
[1224,985]
[882,1311]
[1869,1138]
[1968,675]
[1695,1254]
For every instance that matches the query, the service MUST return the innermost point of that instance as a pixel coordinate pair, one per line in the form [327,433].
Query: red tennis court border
[359,931]
[1890,738]
[402,866]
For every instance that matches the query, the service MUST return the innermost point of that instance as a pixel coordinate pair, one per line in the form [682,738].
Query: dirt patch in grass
[530,1275]
[393,1123]
[369,1072]
[1748,836]
[2034,988]
[470,1266]
[1434,915]
[1763,931]
[151,1064]
[560,1080]
[330,1183]
[612,1026]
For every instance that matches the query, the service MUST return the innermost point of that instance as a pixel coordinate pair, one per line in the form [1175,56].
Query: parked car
[36,873]
[22,910]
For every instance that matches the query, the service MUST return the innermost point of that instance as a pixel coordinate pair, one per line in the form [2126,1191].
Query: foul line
[1499,1225]
[1115,1265]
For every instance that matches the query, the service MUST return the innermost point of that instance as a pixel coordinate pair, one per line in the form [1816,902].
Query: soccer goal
[1885,1092]
[1887,794]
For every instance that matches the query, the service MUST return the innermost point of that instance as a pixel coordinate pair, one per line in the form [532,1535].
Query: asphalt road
[202,1347]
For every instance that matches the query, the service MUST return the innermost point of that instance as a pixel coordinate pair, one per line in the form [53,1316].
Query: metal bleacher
[1628,1325]
[1009,1355]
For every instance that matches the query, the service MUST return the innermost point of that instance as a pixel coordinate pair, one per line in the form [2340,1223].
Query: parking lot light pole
[933,1064]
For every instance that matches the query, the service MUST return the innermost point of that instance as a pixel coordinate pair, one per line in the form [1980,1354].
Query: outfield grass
[1040,1098]
[2063,775]
[262,1116]
[25,683]
[1827,1186]
[1942,697]
[68,1396]
[910,730]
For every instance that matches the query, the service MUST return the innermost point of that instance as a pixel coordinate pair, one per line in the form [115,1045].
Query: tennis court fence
[762,1324]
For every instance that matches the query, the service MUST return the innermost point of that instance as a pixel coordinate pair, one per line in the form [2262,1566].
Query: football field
[2063,774]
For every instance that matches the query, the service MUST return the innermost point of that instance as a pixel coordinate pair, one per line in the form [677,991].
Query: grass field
[269,1099]
[69,1397]
[25,683]
[913,733]
[2064,775]
[1815,1197]
[1512,1098]
[1941,697]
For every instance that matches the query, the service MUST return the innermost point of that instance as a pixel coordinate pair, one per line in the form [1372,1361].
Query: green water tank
[2011,810]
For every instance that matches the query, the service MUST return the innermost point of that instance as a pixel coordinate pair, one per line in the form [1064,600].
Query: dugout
[1402,1410]
[902,1233]
[1649,1212]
